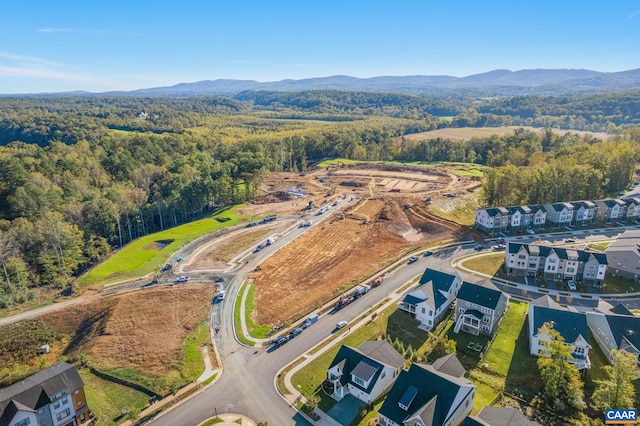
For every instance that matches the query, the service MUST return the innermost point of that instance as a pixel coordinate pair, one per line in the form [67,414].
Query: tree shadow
[403,326]
[523,378]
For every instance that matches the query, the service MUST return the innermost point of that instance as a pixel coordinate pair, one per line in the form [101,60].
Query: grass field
[461,210]
[147,254]
[467,133]
[462,169]
[107,399]
[487,264]
[193,365]
[236,318]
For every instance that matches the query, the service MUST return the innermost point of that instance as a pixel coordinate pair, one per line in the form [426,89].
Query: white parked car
[221,295]
[341,324]
[572,285]
[182,279]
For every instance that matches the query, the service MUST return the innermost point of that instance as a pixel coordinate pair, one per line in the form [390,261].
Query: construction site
[387,217]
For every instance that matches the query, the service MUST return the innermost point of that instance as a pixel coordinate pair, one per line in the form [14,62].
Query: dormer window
[408,397]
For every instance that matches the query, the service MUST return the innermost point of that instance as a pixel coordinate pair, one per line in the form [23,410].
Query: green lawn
[107,399]
[486,264]
[507,363]
[193,365]
[619,285]
[147,254]
[255,330]
[462,169]
[236,318]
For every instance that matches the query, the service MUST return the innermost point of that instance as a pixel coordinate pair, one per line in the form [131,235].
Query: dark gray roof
[474,421]
[546,301]
[586,204]
[365,370]
[440,282]
[35,391]
[383,352]
[492,211]
[624,327]
[483,296]
[435,397]
[474,312]
[414,298]
[561,206]
[350,359]
[570,325]
[449,364]
[504,416]
[562,253]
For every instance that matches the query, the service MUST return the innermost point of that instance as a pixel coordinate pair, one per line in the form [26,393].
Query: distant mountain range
[492,83]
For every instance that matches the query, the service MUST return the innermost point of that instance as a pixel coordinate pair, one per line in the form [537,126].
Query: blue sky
[61,45]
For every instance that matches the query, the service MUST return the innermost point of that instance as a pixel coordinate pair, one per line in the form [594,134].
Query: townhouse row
[555,263]
[534,218]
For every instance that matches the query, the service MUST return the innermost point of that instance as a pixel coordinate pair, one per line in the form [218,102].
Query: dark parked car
[427,253]
[280,341]
[293,333]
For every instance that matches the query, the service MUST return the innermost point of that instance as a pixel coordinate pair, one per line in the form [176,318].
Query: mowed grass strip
[193,360]
[489,264]
[237,311]
[107,399]
[255,330]
[148,253]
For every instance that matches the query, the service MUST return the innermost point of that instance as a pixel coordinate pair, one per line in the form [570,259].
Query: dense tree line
[73,185]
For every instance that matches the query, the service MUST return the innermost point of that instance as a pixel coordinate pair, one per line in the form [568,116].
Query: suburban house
[571,325]
[615,332]
[559,214]
[449,364]
[584,212]
[499,416]
[365,372]
[54,396]
[632,209]
[555,263]
[611,210]
[479,309]
[538,217]
[519,217]
[623,255]
[493,219]
[430,301]
[427,397]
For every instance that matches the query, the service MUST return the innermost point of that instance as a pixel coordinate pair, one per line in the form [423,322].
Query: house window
[430,312]
[423,310]
[382,375]
[358,381]
[552,260]
[474,305]
[485,319]
[56,405]
[62,414]
[460,309]
[522,256]
[23,422]
[79,403]
[43,423]
[77,391]
[65,401]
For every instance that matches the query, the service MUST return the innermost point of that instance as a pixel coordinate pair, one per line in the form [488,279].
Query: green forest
[81,176]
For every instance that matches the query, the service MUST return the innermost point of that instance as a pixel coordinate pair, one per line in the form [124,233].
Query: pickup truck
[412,259]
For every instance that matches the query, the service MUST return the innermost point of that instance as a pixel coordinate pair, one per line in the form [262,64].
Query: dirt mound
[334,256]
[274,197]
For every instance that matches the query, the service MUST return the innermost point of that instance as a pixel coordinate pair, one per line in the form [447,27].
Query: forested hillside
[82,175]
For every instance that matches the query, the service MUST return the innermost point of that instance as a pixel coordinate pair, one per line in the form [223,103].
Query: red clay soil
[338,254]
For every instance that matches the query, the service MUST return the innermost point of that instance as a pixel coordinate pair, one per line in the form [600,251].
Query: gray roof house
[584,213]
[572,326]
[492,219]
[365,372]
[424,396]
[429,302]
[53,396]
[623,255]
[499,416]
[559,214]
[611,210]
[615,332]
[479,309]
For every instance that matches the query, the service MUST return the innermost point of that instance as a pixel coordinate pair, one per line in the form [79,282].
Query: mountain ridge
[494,82]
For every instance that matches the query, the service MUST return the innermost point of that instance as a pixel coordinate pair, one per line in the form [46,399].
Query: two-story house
[429,302]
[615,332]
[538,217]
[519,218]
[424,396]
[572,326]
[559,214]
[365,372]
[623,255]
[499,416]
[584,212]
[493,219]
[479,309]
[610,211]
[54,396]
[632,209]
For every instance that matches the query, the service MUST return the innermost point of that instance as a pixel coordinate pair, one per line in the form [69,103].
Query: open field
[467,133]
[149,253]
[334,256]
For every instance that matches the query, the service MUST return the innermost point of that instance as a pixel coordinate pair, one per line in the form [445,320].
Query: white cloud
[15,57]
[55,75]
[59,30]
[634,14]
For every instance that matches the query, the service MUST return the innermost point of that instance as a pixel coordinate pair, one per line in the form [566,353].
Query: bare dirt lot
[143,330]
[337,254]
